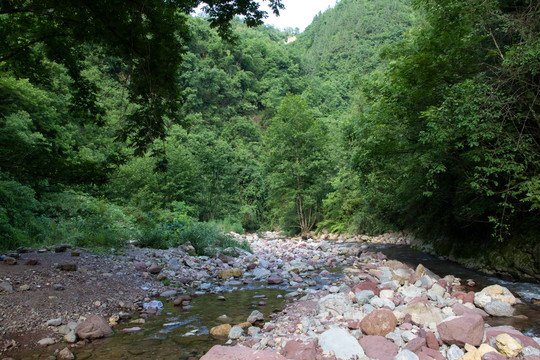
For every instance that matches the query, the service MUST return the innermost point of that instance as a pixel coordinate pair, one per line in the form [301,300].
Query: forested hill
[418,116]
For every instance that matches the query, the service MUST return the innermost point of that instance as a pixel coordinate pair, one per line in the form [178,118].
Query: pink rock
[460,309]
[366,285]
[353,324]
[298,350]
[181,299]
[491,334]
[493,355]
[154,269]
[379,322]
[94,327]
[444,284]
[274,279]
[429,354]
[406,326]
[431,341]
[465,297]
[468,329]
[378,347]
[219,352]
[416,344]
[140,266]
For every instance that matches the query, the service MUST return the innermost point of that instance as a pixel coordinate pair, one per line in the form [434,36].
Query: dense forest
[418,115]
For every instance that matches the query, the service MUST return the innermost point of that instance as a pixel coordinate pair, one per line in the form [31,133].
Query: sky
[297,13]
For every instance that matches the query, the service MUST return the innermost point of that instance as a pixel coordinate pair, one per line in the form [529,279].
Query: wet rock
[255,316]
[468,329]
[221,330]
[229,273]
[181,299]
[300,350]
[499,308]
[377,347]
[379,322]
[507,345]
[65,354]
[341,342]
[94,327]
[219,352]
[274,279]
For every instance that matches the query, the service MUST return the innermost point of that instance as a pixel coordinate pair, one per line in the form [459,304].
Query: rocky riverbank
[50,298]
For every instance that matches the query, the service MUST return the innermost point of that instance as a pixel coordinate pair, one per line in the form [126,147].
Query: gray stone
[70,337]
[5,286]
[46,342]
[378,303]
[168,293]
[335,304]
[364,296]
[454,352]
[255,316]
[341,343]
[499,308]
[235,332]
[411,291]
[253,331]
[260,272]
[54,322]
[396,338]
[406,355]
[529,350]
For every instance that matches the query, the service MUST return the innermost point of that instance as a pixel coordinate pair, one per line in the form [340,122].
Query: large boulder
[94,327]
[493,293]
[219,352]
[468,329]
[341,343]
[377,347]
[379,322]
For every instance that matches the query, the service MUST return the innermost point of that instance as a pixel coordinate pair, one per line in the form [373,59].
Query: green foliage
[296,165]
[208,240]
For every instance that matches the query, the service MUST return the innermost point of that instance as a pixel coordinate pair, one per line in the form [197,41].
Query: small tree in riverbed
[296,165]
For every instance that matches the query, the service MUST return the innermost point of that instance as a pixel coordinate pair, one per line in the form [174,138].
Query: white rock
[46,342]
[438,289]
[335,304]
[406,355]
[396,338]
[54,322]
[411,291]
[341,343]
[235,332]
[529,350]
[481,299]
[255,315]
[454,353]
[386,294]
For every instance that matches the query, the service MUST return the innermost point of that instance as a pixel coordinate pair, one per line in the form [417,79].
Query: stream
[184,333]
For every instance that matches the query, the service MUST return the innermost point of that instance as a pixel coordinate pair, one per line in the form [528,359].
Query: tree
[148,36]
[296,165]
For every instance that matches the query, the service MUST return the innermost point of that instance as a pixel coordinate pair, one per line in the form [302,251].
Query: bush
[208,240]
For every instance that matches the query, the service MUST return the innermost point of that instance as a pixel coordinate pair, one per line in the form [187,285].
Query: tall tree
[297,165]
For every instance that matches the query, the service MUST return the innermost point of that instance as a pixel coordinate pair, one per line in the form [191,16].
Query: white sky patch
[297,13]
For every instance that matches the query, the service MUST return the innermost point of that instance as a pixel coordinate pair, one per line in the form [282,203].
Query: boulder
[94,327]
[499,293]
[499,308]
[255,316]
[379,322]
[468,329]
[493,332]
[507,345]
[377,347]
[335,304]
[219,352]
[300,350]
[341,343]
